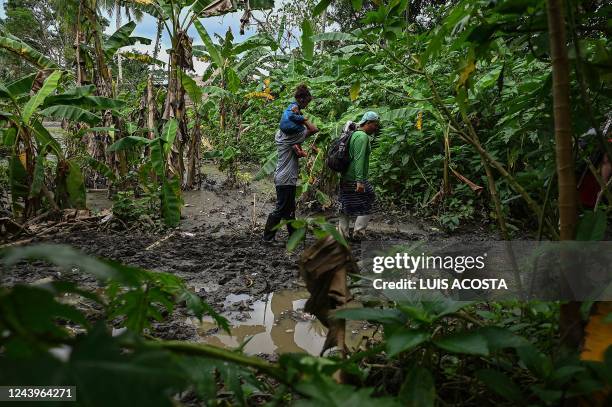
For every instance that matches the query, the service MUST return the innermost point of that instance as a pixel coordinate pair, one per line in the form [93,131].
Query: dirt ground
[218,252]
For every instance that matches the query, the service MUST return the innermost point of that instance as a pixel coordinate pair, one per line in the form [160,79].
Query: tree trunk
[570,321]
[151,107]
[119,59]
[193,155]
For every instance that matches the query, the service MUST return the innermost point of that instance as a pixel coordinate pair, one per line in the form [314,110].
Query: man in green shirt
[356,193]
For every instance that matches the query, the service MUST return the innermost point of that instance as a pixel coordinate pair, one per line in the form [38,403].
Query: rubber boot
[269,231]
[343,224]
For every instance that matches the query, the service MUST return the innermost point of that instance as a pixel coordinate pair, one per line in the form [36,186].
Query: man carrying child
[293,130]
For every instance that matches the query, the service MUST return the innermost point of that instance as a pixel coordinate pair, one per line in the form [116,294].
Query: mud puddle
[274,324]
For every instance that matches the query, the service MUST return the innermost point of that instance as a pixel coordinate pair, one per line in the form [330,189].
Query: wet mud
[217,251]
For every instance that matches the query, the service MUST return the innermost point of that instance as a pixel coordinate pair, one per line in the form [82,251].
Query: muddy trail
[218,253]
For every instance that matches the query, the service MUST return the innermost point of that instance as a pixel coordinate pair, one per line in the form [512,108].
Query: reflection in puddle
[275,325]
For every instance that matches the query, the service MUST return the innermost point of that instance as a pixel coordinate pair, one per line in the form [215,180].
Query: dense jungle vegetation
[492,113]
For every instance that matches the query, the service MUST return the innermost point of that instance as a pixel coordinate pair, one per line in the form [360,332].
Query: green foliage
[121,38]
[48,87]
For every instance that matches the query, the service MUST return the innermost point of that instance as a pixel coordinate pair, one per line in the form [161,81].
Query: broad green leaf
[44,138]
[471,343]
[354,91]
[261,4]
[144,58]
[128,142]
[418,388]
[101,103]
[323,199]
[121,38]
[157,158]
[171,202]
[191,87]
[200,307]
[403,339]
[216,91]
[281,30]
[269,166]
[252,43]
[18,180]
[233,81]
[500,338]
[101,168]
[8,136]
[75,186]
[592,226]
[357,4]
[48,87]
[403,113]
[320,7]
[169,134]
[65,257]
[25,51]
[39,176]
[324,391]
[21,86]
[307,42]
[500,384]
[534,360]
[72,113]
[330,229]
[333,36]
[34,310]
[211,48]
[296,237]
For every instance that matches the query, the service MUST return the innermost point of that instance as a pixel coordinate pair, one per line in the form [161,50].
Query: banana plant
[178,17]
[30,143]
[167,182]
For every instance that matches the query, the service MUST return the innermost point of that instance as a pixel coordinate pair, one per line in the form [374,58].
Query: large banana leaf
[268,167]
[71,94]
[71,185]
[121,38]
[48,87]
[100,103]
[101,168]
[75,185]
[128,142]
[171,202]
[333,36]
[15,45]
[144,58]
[39,176]
[18,180]
[233,81]
[72,113]
[8,136]
[261,4]
[210,47]
[44,138]
[307,42]
[21,86]
[256,41]
[320,7]
[169,134]
[191,87]
[157,158]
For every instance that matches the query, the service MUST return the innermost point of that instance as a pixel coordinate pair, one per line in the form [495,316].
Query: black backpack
[338,158]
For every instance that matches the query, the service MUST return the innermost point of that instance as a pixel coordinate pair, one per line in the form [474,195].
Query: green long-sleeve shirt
[359,152]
